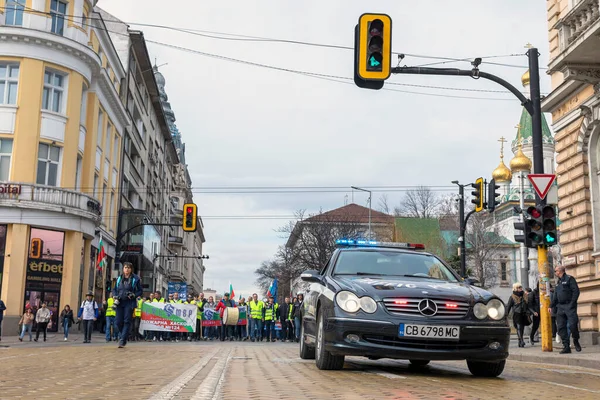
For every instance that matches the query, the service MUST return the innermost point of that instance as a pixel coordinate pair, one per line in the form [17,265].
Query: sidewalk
[52,337]
[589,357]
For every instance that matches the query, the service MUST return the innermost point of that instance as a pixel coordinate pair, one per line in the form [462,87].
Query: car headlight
[348,301]
[495,309]
[480,311]
[368,304]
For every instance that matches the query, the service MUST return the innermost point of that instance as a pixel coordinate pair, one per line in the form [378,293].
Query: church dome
[521,162]
[502,173]
[525,79]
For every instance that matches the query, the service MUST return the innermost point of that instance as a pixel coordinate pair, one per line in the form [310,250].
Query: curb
[555,359]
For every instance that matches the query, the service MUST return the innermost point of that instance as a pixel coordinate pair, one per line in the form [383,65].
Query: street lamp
[370,196]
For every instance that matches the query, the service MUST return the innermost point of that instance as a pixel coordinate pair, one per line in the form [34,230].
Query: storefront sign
[8,188]
[571,260]
[44,270]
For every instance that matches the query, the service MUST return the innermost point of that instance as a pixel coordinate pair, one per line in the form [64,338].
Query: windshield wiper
[359,273]
[421,276]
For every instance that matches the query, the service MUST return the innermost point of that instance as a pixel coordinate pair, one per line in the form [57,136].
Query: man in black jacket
[565,300]
[284,311]
[297,314]
[533,298]
[127,289]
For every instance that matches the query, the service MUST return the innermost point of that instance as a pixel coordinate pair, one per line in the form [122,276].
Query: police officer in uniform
[565,300]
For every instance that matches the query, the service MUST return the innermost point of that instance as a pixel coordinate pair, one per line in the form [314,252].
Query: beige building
[574,29]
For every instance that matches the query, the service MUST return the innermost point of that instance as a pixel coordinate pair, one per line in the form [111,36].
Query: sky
[254,126]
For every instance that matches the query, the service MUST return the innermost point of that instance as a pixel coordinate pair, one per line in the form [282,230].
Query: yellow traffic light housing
[478,194]
[374,47]
[35,250]
[190,217]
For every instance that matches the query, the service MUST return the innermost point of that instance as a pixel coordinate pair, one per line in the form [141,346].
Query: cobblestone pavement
[234,370]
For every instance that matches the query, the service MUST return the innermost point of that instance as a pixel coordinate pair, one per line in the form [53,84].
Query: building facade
[61,131]
[574,68]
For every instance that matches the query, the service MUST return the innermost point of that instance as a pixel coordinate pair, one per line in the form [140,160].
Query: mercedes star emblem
[428,307]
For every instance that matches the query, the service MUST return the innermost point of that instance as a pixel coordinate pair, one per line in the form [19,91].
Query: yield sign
[541,183]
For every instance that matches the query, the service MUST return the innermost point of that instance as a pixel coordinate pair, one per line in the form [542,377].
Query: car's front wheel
[324,359]
[306,352]
[486,369]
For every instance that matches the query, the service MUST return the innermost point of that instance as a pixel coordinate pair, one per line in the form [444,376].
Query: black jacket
[284,309]
[521,305]
[297,313]
[122,288]
[566,292]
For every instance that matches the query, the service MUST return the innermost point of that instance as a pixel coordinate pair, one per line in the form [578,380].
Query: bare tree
[421,202]
[484,247]
[384,206]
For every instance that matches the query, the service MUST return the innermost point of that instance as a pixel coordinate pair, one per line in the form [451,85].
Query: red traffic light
[534,212]
[189,210]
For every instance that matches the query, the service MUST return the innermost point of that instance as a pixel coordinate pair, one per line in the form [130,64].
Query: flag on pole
[272,292]
[231,292]
[101,259]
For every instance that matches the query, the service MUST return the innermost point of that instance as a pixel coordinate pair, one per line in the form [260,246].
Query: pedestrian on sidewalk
[565,301]
[27,324]
[522,310]
[533,298]
[2,309]
[88,312]
[42,317]
[66,319]
[127,289]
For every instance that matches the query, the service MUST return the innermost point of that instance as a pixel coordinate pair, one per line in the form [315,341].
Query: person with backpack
[522,310]
[88,312]
[127,289]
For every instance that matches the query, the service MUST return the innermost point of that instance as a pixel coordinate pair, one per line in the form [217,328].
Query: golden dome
[525,79]
[502,173]
[521,162]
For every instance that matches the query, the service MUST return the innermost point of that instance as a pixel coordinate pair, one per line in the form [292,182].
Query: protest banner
[168,317]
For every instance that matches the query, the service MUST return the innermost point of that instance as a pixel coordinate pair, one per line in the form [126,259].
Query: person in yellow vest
[137,317]
[200,302]
[271,315]
[256,318]
[111,315]
[161,335]
[178,335]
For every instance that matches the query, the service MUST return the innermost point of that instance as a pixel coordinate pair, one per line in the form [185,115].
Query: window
[116,150]
[5,154]
[48,159]
[96,186]
[100,125]
[107,141]
[78,168]
[83,110]
[9,81]
[58,10]
[14,12]
[104,196]
[503,271]
[54,86]
[84,22]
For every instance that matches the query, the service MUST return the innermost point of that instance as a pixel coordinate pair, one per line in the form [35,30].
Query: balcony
[176,237]
[578,33]
[176,273]
[25,203]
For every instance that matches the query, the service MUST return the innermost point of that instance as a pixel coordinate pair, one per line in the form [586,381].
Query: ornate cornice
[588,73]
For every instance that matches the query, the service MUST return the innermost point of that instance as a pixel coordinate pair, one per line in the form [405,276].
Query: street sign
[541,183]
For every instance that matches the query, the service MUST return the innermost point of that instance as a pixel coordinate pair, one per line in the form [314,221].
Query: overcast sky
[249,126]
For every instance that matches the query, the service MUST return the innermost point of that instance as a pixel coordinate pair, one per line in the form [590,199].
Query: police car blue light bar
[372,243]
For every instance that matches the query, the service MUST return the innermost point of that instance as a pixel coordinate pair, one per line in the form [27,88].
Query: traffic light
[524,238]
[549,225]
[478,194]
[535,226]
[35,251]
[190,217]
[492,195]
[372,50]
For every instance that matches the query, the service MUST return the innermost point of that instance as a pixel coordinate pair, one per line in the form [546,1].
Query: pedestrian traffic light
[478,194]
[535,226]
[524,238]
[492,195]
[190,217]
[35,250]
[549,225]
[372,50]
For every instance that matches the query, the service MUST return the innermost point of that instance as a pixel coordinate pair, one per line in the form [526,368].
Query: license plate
[429,331]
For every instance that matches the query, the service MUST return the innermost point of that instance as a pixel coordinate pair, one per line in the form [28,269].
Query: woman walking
[42,317]
[521,308]
[27,321]
[66,318]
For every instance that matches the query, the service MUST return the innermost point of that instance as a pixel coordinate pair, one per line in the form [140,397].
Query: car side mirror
[311,276]
[472,282]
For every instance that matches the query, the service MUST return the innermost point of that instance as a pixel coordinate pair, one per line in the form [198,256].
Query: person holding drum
[226,304]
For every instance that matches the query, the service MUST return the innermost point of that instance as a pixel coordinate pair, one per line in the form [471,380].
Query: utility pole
[370,196]
[538,168]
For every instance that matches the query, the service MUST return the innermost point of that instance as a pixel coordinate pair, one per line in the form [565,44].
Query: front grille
[424,344]
[410,306]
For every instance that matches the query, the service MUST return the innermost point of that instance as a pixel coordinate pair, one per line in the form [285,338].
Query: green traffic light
[373,62]
[550,238]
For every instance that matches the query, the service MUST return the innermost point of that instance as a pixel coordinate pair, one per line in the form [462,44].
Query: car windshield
[392,263]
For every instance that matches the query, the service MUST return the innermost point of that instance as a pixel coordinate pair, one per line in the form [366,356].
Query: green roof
[527,130]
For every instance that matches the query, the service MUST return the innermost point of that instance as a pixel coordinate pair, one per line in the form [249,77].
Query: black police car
[390,300]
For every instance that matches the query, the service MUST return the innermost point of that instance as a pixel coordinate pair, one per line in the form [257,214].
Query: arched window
[594,170]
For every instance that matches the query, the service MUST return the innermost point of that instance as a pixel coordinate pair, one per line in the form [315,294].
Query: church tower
[502,174]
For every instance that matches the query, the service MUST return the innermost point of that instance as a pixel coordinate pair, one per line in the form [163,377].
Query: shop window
[48,165]
[5,155]
[9,83]
[14,12]
[54,86]
[58,11]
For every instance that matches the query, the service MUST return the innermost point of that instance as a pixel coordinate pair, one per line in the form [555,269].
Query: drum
[231,315]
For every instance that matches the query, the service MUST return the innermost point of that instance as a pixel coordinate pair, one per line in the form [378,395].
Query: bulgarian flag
[231,292]
[101,260]
[272,289]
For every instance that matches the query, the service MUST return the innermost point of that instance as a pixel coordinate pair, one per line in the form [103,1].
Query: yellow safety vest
[291,308]
[256,309]
[271,312]
[110,311]
[138,309]
[158,301]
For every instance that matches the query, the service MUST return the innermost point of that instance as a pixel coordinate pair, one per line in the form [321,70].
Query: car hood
[409,287]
